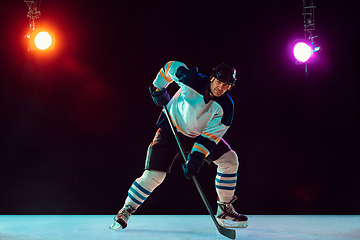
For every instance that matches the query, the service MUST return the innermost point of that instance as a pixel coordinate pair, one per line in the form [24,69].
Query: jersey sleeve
[167,74]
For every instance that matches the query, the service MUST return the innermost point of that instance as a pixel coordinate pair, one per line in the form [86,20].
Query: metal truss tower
[33,13]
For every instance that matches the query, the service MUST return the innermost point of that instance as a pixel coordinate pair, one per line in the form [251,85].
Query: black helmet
[224,73]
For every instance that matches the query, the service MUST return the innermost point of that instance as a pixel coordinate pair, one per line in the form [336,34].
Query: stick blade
[229,233]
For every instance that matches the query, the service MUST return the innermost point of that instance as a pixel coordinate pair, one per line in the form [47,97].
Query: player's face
[218,87]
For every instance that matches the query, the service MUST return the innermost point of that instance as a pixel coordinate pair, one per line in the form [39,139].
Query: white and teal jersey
[193,115]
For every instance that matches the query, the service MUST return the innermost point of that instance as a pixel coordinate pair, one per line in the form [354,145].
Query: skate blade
[115,226]
[232,224]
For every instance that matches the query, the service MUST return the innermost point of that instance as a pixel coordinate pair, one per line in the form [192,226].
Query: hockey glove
[160,97]
[192,166]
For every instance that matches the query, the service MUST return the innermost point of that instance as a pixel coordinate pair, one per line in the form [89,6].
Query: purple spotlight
[302,52]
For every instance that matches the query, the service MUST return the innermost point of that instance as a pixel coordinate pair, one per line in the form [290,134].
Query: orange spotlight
[41,40]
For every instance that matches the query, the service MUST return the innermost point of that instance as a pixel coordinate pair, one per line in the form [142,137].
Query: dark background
[75,124]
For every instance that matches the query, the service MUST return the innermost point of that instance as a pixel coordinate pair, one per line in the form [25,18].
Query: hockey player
[202,112]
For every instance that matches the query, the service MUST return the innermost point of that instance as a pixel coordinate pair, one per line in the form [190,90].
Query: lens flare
[302,52]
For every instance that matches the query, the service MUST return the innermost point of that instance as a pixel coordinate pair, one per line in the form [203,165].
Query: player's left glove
[192,166]
[160,97]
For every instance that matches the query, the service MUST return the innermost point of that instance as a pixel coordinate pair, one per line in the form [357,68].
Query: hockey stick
[230,233]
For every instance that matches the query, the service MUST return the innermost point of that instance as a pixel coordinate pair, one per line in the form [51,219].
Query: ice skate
[228,217]
[122,217]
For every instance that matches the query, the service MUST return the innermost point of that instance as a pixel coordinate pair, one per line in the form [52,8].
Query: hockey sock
[143,186]
[226,176]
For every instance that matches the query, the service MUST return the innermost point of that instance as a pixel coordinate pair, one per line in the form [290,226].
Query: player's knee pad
[228,160]
[152,178]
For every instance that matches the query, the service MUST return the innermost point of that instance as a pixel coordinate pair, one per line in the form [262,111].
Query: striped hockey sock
[225,185]
[142,187]
[137,194]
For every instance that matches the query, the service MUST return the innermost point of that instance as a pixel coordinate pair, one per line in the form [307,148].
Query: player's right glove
[160,97]
[192,166]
